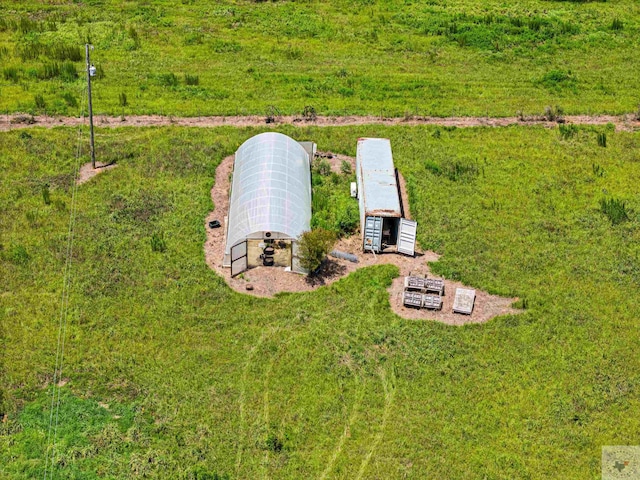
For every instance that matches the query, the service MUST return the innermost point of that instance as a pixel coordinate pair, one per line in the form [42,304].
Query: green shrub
[567,131]
[158,243]
[193,38]
[558,79]
[617,24]
[64,52]
[323,168]
[602,139]
[32,218]
[615,210]
[319,200]
[432,167]
[48,71]
[46,194]
[293,53]
[68,72]
[313,248]
[18,255]
[26,25]
[598,171]
[39,102]
[69,99]
[122,98]
[345,167]
[459,171]
[135,38]
[309,113]
[553,114]
[99,72]
[10,73]
[29,50]
[348,220]
[168,80]
[191,79]
[522,303]
[274,443]
[224,46]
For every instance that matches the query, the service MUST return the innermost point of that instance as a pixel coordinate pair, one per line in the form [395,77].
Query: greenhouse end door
[239,258]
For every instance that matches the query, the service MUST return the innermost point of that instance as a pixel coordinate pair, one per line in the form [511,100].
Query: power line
[64,314]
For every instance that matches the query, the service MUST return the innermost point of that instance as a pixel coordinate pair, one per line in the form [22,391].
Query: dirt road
[627,122]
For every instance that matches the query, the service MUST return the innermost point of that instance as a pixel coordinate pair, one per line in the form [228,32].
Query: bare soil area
[335,160]
[19,120]
[267,281]
[87,172]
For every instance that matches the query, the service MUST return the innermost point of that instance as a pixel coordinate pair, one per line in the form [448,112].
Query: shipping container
[381,211]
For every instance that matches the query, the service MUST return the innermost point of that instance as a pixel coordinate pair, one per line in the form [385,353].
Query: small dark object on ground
[248,287]
[27,119]
[343,255]
[272,113]
[268,261]
[214,224]
[309,113]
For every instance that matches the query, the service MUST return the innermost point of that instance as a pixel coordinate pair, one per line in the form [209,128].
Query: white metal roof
[271,188]
[377,186]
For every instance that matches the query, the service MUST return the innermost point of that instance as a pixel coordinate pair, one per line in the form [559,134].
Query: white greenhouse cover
[271,189]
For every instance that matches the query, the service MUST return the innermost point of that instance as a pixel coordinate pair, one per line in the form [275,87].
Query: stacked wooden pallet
[423,292]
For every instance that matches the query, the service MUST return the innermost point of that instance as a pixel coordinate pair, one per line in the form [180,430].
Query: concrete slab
[464,300]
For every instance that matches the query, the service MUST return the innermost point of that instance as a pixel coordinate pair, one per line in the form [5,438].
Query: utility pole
[90,73]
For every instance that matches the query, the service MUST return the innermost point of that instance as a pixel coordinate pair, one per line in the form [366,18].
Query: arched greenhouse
[270,203]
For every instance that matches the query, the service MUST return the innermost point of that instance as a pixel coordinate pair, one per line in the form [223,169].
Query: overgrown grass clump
[615,209]
[333,209]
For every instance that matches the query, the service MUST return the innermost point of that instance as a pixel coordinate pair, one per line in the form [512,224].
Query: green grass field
[202,382]
[463,57]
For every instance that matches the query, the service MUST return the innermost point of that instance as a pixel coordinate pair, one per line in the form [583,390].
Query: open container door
[239,258]
[407,236]
[373,234]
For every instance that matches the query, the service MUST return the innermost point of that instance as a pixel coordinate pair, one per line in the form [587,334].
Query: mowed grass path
[393,58]
[196,380]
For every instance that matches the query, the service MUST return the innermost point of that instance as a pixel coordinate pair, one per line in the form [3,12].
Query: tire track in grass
[265,401]
[347,428]
[243,390]
[265,397]
[388,384]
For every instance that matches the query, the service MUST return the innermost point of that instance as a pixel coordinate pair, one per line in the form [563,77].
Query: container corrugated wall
[377,186]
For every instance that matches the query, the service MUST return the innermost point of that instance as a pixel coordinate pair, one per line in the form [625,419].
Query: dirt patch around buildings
[268,281]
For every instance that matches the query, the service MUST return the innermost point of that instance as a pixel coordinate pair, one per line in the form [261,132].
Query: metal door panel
[373,234]
[407,236]
[239,258]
